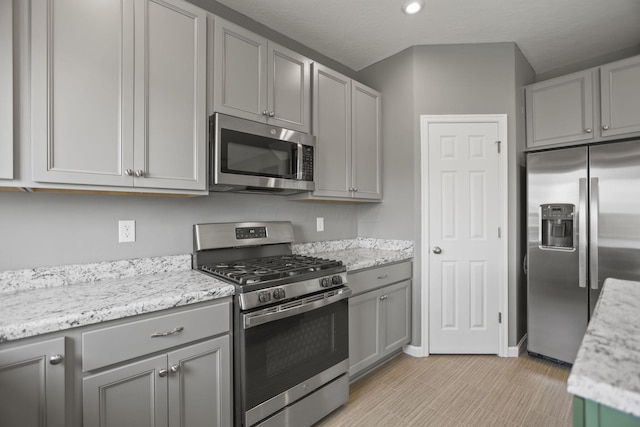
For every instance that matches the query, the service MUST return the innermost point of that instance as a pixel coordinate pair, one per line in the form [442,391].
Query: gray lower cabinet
[6,89]
[379,319]
[119,94]
[172,369]
[189,386]
[32,385]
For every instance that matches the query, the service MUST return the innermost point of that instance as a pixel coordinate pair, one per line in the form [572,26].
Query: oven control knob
[264,296]
[278,293]
[336,280]
[325,282]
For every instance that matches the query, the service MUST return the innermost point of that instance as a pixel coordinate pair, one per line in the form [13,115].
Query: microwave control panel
[307,163]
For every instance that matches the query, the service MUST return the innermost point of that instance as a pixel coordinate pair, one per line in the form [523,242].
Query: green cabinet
[587,413]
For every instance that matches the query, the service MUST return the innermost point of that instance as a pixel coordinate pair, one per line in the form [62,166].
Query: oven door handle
[250,320]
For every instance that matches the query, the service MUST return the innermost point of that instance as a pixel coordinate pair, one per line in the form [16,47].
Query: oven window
[281,354]
[248,154]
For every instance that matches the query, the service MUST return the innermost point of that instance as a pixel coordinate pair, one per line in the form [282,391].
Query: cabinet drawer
[115,344]
[374,278]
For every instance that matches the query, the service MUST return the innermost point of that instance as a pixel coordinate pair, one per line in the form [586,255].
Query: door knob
[437,250]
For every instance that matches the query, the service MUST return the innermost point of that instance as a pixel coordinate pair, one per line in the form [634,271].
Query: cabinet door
[200,389]
[32,389]
[620,103]
[240,77]
[332,128]
[82,91]
[132,395]
[365,347]
[6,89]
[289,99]
[365,141]
[170,95]
[560,110]
[397,316]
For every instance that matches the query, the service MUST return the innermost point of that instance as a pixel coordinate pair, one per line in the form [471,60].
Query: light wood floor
[446,390]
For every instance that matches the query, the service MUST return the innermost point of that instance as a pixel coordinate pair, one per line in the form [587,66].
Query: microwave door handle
[299,159]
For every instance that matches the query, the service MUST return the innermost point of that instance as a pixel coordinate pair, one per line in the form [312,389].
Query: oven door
[291,350]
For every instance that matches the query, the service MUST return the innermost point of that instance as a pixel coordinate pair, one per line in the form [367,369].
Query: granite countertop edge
[98,292]
[608,361]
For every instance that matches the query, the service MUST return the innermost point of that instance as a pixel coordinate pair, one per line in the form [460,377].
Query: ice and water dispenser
[557,226]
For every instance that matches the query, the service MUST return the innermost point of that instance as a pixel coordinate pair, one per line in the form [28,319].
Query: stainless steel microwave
[248,156]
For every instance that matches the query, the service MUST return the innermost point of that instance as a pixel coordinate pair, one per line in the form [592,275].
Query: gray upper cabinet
[259,80]
[32,385]
[594,105]
[365,142]
[560,110]
[119,93]
[346,124]
[6,89]
[620,99]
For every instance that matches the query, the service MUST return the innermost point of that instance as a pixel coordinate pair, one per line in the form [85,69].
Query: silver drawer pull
[171,332]
[56,359]
[384,276]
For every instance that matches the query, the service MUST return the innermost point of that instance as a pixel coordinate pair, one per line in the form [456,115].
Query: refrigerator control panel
[557,226]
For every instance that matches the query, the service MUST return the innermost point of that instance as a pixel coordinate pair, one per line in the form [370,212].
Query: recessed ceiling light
[412,6]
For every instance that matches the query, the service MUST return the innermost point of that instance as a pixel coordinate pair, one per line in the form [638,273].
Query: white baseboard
[415,351]
[522,346]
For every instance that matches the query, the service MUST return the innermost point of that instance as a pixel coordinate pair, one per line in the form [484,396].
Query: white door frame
[501,120]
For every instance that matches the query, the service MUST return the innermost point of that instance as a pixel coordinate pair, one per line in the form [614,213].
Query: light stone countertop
[49,299]
[42,300]
[359,253]
[607,368]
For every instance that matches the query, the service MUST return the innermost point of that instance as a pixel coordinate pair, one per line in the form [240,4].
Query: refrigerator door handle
[582,233]
[594,202]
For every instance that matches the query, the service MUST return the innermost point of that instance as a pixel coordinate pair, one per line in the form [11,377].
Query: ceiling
[357,33]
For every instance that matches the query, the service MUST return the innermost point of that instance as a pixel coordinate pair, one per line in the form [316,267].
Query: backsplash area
[50,229]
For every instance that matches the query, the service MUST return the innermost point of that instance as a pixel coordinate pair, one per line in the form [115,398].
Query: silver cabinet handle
[265,113]
[128,172]
[165,334]
[56,359]
[437,250]
[139,172]
[272,113]
[163,372]
[174,368]
[593,233]
[605,127]
[588,130]
[384,276]
[383,297]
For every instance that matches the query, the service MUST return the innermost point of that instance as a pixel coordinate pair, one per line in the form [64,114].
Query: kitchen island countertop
[608,362]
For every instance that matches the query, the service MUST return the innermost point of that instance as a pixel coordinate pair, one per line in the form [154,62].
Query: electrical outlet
[126,231]
[320,224]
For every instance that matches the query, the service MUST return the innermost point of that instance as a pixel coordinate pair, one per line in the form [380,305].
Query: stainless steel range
[290,322]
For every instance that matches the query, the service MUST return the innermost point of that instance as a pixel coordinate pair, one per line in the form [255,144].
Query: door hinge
[499,233]
[498,145]
[499,317]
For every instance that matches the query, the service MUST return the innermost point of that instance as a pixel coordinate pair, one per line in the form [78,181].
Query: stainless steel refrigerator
[583,207]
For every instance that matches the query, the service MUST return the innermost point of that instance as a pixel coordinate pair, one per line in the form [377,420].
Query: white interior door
[465,211]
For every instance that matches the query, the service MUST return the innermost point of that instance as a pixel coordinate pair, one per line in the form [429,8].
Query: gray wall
[445,79]
[46,229]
